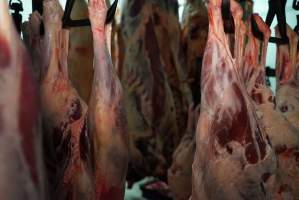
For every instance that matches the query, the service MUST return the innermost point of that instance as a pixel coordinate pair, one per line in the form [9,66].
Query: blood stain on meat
[28,115]
[5,56]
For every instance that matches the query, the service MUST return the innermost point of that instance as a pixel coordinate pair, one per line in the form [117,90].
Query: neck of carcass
[216,21]
[56,51]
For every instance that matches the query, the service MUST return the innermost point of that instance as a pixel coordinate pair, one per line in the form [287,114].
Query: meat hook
[67,22]
[277,7]
[17,16]
[295,5]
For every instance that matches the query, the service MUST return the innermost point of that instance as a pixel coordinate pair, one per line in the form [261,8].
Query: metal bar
[277,7]
[67,21]
[295,5]
[279,41]
[270,72]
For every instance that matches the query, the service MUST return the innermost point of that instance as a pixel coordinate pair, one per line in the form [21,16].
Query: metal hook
[295,5]
[17,7]
[17,16]
[277,7]
[270,72]
[68,22]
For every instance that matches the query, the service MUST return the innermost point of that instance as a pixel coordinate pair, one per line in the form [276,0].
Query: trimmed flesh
[67,143]
[232,150]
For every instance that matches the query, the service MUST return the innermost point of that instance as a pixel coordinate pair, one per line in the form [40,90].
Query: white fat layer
[5,19]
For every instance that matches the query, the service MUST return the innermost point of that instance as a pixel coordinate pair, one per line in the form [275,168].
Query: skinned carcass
[254,60]
[180,173]
[33,40]
[287,105]
[287,78]
[67,145]
[107,119]
[193,38]
[282,135]
[152,116]
[233,159]
[21,171]
[168,32]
